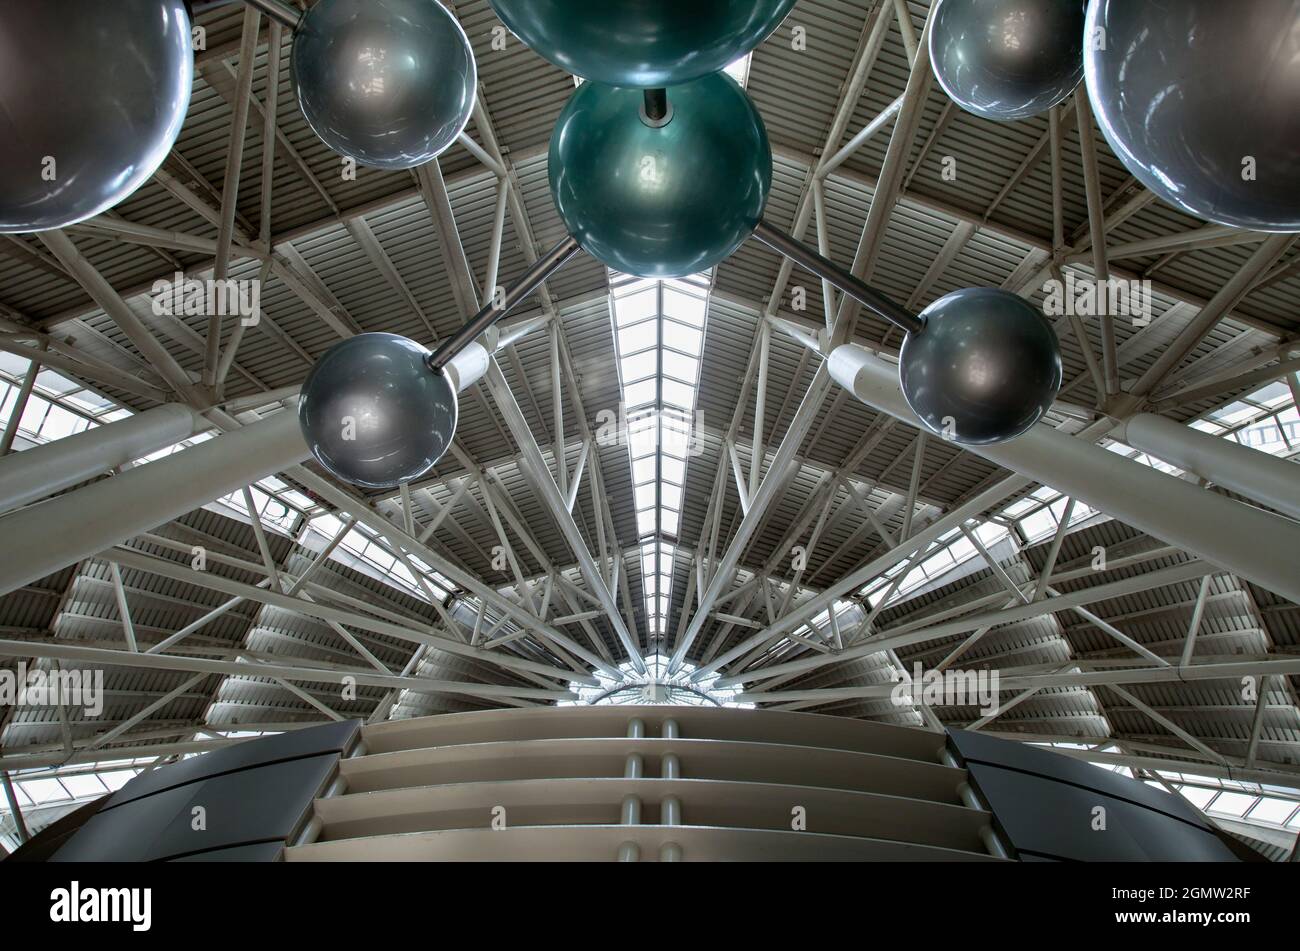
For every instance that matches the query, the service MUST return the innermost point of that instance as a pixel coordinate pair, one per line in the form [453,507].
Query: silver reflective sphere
[986,367]
[389,83]
[92,96]
[1008,59]
[1200,99]
[374,414]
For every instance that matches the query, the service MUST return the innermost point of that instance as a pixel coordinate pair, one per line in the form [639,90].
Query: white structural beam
[851,582]
[55,533]
[909,635]
[557,504]
[1241,538]
[43,470]
[1232,670]
[476,587]
[1252,473]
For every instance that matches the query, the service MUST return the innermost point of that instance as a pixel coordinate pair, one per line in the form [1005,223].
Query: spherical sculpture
[1200,100]
[92,96]
[642,43]
[374,414]
[1008,59]
[985,368]
[389,83]
[666,201]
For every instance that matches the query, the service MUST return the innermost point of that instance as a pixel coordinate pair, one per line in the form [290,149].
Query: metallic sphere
[374,414]
[642,43]
[986,367]
[1008,59]
[389,83]
[667,201]
[92,96]
[1200,100]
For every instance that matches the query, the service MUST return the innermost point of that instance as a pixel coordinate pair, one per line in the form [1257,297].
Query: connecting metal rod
[862,292]
[655,107]
[282,13]
[545,266]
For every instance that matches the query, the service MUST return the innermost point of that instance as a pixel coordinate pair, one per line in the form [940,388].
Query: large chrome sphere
[374,414]
[642,43]
[1200,99]
[92,96]
[389,83]
[985,368]
[667,201]
[1008,59]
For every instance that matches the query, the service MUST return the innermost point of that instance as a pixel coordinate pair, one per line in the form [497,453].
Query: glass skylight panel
[678,394]
[639,394]
[680,367]
[659,336]
[645,495]
[640,366]
[638,337]
[643,469]
[1274,811]
[672,469]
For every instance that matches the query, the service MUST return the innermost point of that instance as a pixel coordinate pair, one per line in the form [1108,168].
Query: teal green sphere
[668,201]
[642,43]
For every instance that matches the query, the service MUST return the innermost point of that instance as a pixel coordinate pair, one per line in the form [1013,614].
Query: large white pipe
[50,535]
[1240,538]
[43,470]
[1254,474]
[54,534]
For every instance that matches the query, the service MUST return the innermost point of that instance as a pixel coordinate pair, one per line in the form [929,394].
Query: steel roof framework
[798,464]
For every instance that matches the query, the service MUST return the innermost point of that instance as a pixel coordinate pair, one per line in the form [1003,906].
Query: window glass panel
[638,394]
[672,469]
[683,368]
[640,366]
[678,394]
[643,469]
[637,306]
[683,337]
[638,337]
[687,308]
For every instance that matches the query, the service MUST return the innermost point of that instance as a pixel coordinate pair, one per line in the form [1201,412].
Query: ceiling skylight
[659,337]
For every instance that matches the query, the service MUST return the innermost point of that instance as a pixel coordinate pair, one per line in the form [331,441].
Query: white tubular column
[1240,538]
[56,533]
[1254,474]
[467,367]
[43,470]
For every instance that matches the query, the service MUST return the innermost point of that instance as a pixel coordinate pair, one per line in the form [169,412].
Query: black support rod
[870,298]
[545,266]
[656,103]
